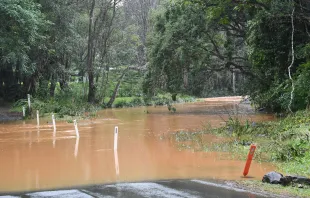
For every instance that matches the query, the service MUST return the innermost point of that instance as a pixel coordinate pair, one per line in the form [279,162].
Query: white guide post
[76,129]
[38,134]
[38,118]
[54,122]
[76,149]
[54,139]
[115,138]
[29,102]
[116,163]
[24,112]
[115,151]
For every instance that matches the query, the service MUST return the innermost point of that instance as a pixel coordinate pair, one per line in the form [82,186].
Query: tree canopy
[197,47]
[193,40]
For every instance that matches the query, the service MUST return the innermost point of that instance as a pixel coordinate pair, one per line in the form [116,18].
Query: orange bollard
[249,160]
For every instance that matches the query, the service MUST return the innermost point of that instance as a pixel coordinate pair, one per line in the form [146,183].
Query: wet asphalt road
[165,189]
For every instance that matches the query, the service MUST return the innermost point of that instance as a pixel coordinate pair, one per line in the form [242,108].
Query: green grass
[284,142]
[258,186]
[299,166]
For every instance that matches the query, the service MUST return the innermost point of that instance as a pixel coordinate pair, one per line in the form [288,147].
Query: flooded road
[33,159]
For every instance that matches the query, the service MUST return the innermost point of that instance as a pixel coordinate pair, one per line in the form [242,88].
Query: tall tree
[101,16]
[22,27]
[138,13]
[189,47]
[61,46]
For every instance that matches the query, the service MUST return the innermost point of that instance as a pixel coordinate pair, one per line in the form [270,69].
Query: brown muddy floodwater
[34,158]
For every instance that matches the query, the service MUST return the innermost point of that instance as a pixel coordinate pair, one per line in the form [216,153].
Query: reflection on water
[116,163]
[34,158]
[76,150]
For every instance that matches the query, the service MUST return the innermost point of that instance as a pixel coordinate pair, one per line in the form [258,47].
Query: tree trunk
[174,97]
[9,93]
[17,73]
[185,78]
[97,78]
[53,86]
[43,88]
[234,80]
[112,99]
[29,84]
[91,90]
[1,84]
[63,84]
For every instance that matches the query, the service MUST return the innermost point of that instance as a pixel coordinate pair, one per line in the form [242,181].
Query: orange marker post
[249,160]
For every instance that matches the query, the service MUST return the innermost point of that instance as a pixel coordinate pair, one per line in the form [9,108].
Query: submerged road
[165,189]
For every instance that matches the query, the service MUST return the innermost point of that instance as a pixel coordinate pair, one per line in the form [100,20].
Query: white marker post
[115,138]
[24,112]
[54,122]
[76,129]
[38,134]
[115,151]
[116,163]
[29,102]
[38,118]
[54,139]
[76,149]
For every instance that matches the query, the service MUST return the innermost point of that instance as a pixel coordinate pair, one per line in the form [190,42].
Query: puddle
[34,158]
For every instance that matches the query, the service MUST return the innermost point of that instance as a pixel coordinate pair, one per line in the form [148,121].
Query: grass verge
[284,142]
[281,191]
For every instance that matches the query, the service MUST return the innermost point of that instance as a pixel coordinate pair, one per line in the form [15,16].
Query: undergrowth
[284,142]
[73,102]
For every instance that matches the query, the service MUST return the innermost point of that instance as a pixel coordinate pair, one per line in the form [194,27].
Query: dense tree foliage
[189,54]
[48,44]
[197,47]
[258,39]
[22,31]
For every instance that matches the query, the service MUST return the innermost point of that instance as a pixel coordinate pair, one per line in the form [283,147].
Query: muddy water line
[34,159]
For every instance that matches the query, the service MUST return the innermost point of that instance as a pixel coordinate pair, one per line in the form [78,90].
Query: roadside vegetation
[74,103]
[276,191]
[284,142]
[200,48]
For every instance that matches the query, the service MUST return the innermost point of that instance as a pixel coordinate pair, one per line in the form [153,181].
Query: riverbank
[284,143]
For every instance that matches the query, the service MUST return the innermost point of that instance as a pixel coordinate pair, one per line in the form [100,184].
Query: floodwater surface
[35,158]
